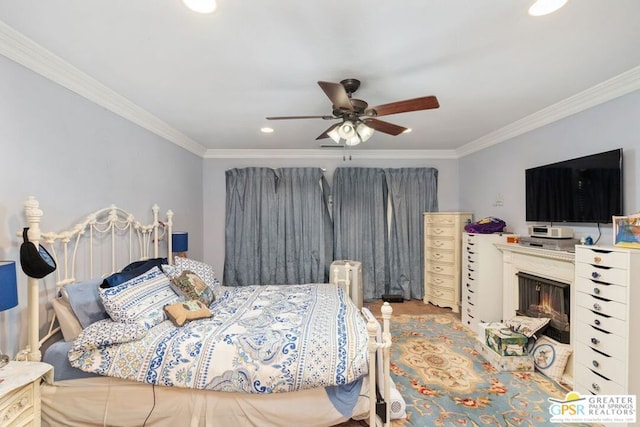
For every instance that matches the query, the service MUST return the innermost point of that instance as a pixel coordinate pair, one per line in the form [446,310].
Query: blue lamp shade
[8,285]
[180,241]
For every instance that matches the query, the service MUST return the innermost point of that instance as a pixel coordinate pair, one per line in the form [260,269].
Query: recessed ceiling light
[545,7]
[266,130]
[201,6]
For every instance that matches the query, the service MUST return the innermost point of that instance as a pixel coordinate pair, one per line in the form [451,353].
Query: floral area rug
[446,382]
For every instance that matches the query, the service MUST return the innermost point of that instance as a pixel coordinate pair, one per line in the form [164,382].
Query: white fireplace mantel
[551,264]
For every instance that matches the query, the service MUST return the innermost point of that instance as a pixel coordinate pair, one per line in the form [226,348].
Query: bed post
[169,234]
[34,215]
[387,310]
[372,329]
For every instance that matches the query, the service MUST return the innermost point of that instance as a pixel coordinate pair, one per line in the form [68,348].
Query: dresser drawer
[468,320]
[440,231]
[440,255]
[18,407]
[609,324]
[444,243]
[589,381]
[607,366]
[469,296]
[442,293]
[613,275]
[609,308]
[441,268]
[602,257]
[441,219]
[601,289]
[441,281]
[606,342]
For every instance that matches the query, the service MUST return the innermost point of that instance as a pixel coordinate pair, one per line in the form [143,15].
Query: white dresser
[442,256]
[481,279]
[606,315]
[20,393]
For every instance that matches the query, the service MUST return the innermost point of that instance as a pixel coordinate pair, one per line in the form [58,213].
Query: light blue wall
[499,170]
[76,157]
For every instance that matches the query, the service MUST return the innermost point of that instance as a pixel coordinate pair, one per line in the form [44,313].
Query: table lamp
[8,294]
[180,243]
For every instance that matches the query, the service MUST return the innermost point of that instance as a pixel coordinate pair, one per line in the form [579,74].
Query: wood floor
[412,307]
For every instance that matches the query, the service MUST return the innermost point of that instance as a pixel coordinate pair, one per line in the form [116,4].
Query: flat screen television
[585,189]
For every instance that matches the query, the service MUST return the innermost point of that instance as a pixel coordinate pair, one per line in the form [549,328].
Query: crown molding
[330,154]
[31,55]
[620,85]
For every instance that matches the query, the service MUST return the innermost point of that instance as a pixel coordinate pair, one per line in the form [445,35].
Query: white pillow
[204,271]
[140,300]
[550,357]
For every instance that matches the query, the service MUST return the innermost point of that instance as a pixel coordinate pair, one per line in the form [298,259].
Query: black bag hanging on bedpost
[35,262]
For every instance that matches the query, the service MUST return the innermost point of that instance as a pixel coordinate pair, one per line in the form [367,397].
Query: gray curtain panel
[305,237]
[278,229]
[412,191]
[360,224]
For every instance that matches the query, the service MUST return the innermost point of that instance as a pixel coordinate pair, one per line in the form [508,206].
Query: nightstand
[20,392]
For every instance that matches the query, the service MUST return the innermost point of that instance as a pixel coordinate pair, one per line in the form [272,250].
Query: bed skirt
[103,401]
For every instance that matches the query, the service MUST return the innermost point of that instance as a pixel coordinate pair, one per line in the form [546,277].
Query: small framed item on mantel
[626,231]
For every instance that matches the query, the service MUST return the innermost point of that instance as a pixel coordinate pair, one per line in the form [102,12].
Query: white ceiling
[207,82]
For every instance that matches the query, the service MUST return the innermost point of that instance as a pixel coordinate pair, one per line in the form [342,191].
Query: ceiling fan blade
[384,127]
[416,104]
[337,94]
[300,117]
[325,134]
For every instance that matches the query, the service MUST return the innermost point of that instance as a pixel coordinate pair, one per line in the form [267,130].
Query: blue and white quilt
[261,339]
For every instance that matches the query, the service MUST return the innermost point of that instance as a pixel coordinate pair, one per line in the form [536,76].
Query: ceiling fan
[358,120]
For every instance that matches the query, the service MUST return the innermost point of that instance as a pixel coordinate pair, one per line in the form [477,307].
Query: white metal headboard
[106,240]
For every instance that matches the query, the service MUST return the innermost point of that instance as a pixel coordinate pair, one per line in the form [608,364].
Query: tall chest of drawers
[442,256]
[605,317]
[481,279]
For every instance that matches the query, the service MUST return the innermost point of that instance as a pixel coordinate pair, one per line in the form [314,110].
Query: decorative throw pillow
[192,287]
[550,357]
[527,326]
[203,270]
[140,300]
[181,312]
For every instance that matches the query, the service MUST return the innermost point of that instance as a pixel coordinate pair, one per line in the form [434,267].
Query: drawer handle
[437,255]
[597,307]
[597,260]
[468,285]
[596,291]
[469,297]
[597,322]
[595,341]
[595,275]
[595,386]
[595,363]
[437,268]
[438,231]
[437,243]
[437,280]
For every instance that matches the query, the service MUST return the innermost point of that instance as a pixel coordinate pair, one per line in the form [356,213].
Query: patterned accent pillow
[180,312]
[205,271]
[527,326]
[192,287]
[140,300]
[550,357]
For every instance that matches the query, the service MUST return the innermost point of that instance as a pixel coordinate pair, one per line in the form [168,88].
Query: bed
[267,356]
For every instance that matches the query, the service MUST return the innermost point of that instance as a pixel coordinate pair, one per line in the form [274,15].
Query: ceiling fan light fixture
[545,7]
[333,134]
[364,132]
[201,6]
[347,130]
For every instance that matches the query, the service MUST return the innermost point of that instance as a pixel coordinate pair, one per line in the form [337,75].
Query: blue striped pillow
[140,300]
